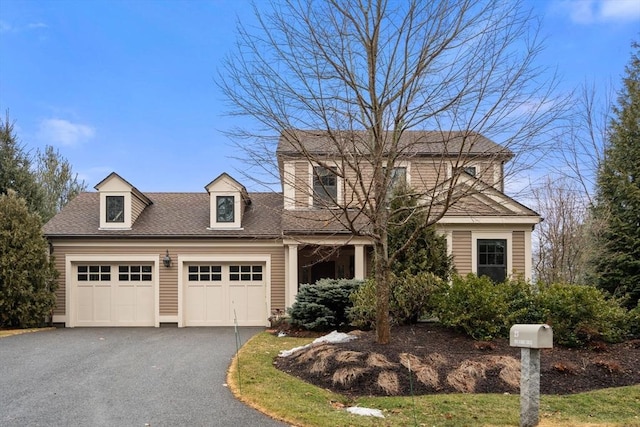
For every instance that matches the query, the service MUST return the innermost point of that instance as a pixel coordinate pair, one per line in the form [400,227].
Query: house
[225,255]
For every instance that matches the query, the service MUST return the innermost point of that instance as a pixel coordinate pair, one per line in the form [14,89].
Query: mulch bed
[445,361]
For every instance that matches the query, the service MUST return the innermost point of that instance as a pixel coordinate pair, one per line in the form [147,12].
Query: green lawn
[254,380]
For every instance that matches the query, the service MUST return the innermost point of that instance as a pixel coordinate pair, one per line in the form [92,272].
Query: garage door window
[134,273]
[245,273]
[205,273]
[94,273]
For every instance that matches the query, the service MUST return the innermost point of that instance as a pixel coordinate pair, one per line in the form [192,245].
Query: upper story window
[471,170]
[397,179]
[225,206]
[115,208]
[325,186]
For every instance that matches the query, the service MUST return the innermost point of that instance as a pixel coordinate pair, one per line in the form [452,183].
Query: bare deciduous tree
[363,73]
[565,242]
[561,238]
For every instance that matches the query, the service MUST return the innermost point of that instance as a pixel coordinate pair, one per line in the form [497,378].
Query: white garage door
[216,294]
[114,294]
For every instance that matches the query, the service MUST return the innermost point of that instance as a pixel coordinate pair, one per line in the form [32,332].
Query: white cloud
[5,27]
[63,132]
[36,25]
[593,11]
[620,9]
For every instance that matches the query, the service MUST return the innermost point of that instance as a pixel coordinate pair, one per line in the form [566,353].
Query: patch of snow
[368,412]
[281,334]
[333,338]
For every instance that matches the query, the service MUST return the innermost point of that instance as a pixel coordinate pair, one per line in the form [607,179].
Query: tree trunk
[381,268]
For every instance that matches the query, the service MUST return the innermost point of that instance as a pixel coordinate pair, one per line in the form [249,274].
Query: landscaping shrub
[362,313]
[633,322]
[522,302]
[411,298]
[581,314]
[322,306]
[474,305]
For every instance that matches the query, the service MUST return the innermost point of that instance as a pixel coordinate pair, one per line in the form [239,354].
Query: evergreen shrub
[27,273]
[411,298]
[580,314]
[322,306]
[474,305]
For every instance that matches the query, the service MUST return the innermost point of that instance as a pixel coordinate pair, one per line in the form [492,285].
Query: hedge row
[484,310]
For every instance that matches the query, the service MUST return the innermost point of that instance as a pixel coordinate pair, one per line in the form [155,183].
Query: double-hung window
[397,179]
[325,186]
[492,259]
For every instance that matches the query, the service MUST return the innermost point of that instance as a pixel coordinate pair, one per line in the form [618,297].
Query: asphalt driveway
[122,377]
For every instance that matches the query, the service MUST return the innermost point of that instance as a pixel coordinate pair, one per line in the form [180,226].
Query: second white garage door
[216,294]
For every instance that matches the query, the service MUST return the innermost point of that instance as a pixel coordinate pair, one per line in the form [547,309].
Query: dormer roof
[225,182]
[115,178]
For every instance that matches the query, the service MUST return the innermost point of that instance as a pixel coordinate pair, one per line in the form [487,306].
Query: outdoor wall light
[167,260]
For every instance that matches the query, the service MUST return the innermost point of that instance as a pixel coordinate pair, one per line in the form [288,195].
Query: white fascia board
[328,240]
[489,220]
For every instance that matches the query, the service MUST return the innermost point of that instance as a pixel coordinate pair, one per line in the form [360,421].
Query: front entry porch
[309,261]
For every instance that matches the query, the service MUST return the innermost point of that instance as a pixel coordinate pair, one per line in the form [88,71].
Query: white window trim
[288,185]
[339,184]
[237,211]
[104,225]
[480,235]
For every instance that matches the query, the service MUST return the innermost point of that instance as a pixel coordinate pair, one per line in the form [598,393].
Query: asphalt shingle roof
[170,215]
[425,143]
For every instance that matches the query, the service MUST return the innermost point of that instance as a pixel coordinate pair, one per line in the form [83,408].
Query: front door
[323,270]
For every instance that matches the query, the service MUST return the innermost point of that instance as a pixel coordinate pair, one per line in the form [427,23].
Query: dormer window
[225,206]
[120,203]
[115,209]
[227,202]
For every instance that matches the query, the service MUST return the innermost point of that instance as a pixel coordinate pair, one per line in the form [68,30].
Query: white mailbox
[531,336]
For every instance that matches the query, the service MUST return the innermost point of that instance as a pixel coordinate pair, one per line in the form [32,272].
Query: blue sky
[129,86]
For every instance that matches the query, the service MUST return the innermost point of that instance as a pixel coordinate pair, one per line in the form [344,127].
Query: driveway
[122,377]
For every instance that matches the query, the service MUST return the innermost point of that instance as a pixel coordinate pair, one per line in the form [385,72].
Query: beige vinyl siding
[461,251]
[137,206]
[518,251]
[427,173]
[352,184]
[58,260]
[168,280]
[302,186]
[169,285]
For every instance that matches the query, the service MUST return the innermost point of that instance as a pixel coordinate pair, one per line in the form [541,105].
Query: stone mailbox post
[530,338]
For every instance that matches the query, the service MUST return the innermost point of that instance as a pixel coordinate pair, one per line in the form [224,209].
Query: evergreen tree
[618,194]
[57,181]
[27,274]
[15,169]
[427,251]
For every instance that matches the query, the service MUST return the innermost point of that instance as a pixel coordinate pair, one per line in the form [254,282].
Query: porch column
[291,274]
[359,272]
